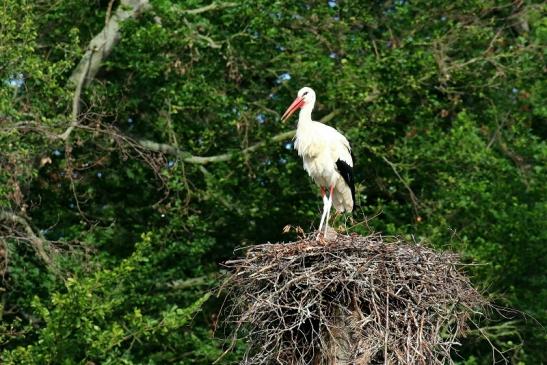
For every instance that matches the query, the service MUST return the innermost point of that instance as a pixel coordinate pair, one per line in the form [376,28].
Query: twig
[413,197]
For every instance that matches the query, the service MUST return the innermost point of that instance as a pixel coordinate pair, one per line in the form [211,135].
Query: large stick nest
[355,300]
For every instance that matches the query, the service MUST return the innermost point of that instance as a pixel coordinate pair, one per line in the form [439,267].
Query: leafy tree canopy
[141,144]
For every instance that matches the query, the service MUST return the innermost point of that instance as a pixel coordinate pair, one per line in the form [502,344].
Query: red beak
[296,104]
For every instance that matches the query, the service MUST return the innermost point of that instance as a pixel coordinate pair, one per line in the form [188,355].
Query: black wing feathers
[347,174]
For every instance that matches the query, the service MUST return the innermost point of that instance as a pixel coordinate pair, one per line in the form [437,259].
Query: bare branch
[208,40]
[37,240]
[327,118]
[76,102]
[212,6]
[189,158]
[98,50]
[103,43]
[185,284]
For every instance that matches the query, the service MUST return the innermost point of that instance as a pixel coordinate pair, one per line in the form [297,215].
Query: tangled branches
[357,300]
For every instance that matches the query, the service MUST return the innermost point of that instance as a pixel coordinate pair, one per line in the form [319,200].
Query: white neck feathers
[305,114]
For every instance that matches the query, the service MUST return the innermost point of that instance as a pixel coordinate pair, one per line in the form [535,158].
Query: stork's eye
[306,93]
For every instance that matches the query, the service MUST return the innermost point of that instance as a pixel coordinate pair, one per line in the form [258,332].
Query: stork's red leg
[325,204]
[324,196]
[329,205]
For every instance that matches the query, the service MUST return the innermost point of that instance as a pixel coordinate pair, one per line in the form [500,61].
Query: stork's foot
[320,238]
[325,235]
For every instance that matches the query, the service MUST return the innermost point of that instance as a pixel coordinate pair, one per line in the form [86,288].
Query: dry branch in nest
[356,300]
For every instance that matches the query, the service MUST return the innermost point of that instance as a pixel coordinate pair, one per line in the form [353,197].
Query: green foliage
[444,105]
[96,318]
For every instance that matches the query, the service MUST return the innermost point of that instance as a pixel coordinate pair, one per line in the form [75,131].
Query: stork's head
[305,98]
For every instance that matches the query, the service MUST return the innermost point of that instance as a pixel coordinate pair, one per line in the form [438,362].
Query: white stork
[327,156]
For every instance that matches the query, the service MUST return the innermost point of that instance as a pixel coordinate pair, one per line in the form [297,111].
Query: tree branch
[37,240]
[188,283]
[189,158]
[76,101]
[103,43]
[212,6]
[98,50]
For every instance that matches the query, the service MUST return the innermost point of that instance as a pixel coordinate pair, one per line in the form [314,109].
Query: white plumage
[326,154]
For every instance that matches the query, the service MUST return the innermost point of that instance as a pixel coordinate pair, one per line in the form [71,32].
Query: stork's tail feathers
[342,198]
[345,189]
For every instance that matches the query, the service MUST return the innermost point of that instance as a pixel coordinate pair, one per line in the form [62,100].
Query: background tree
[141,144]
